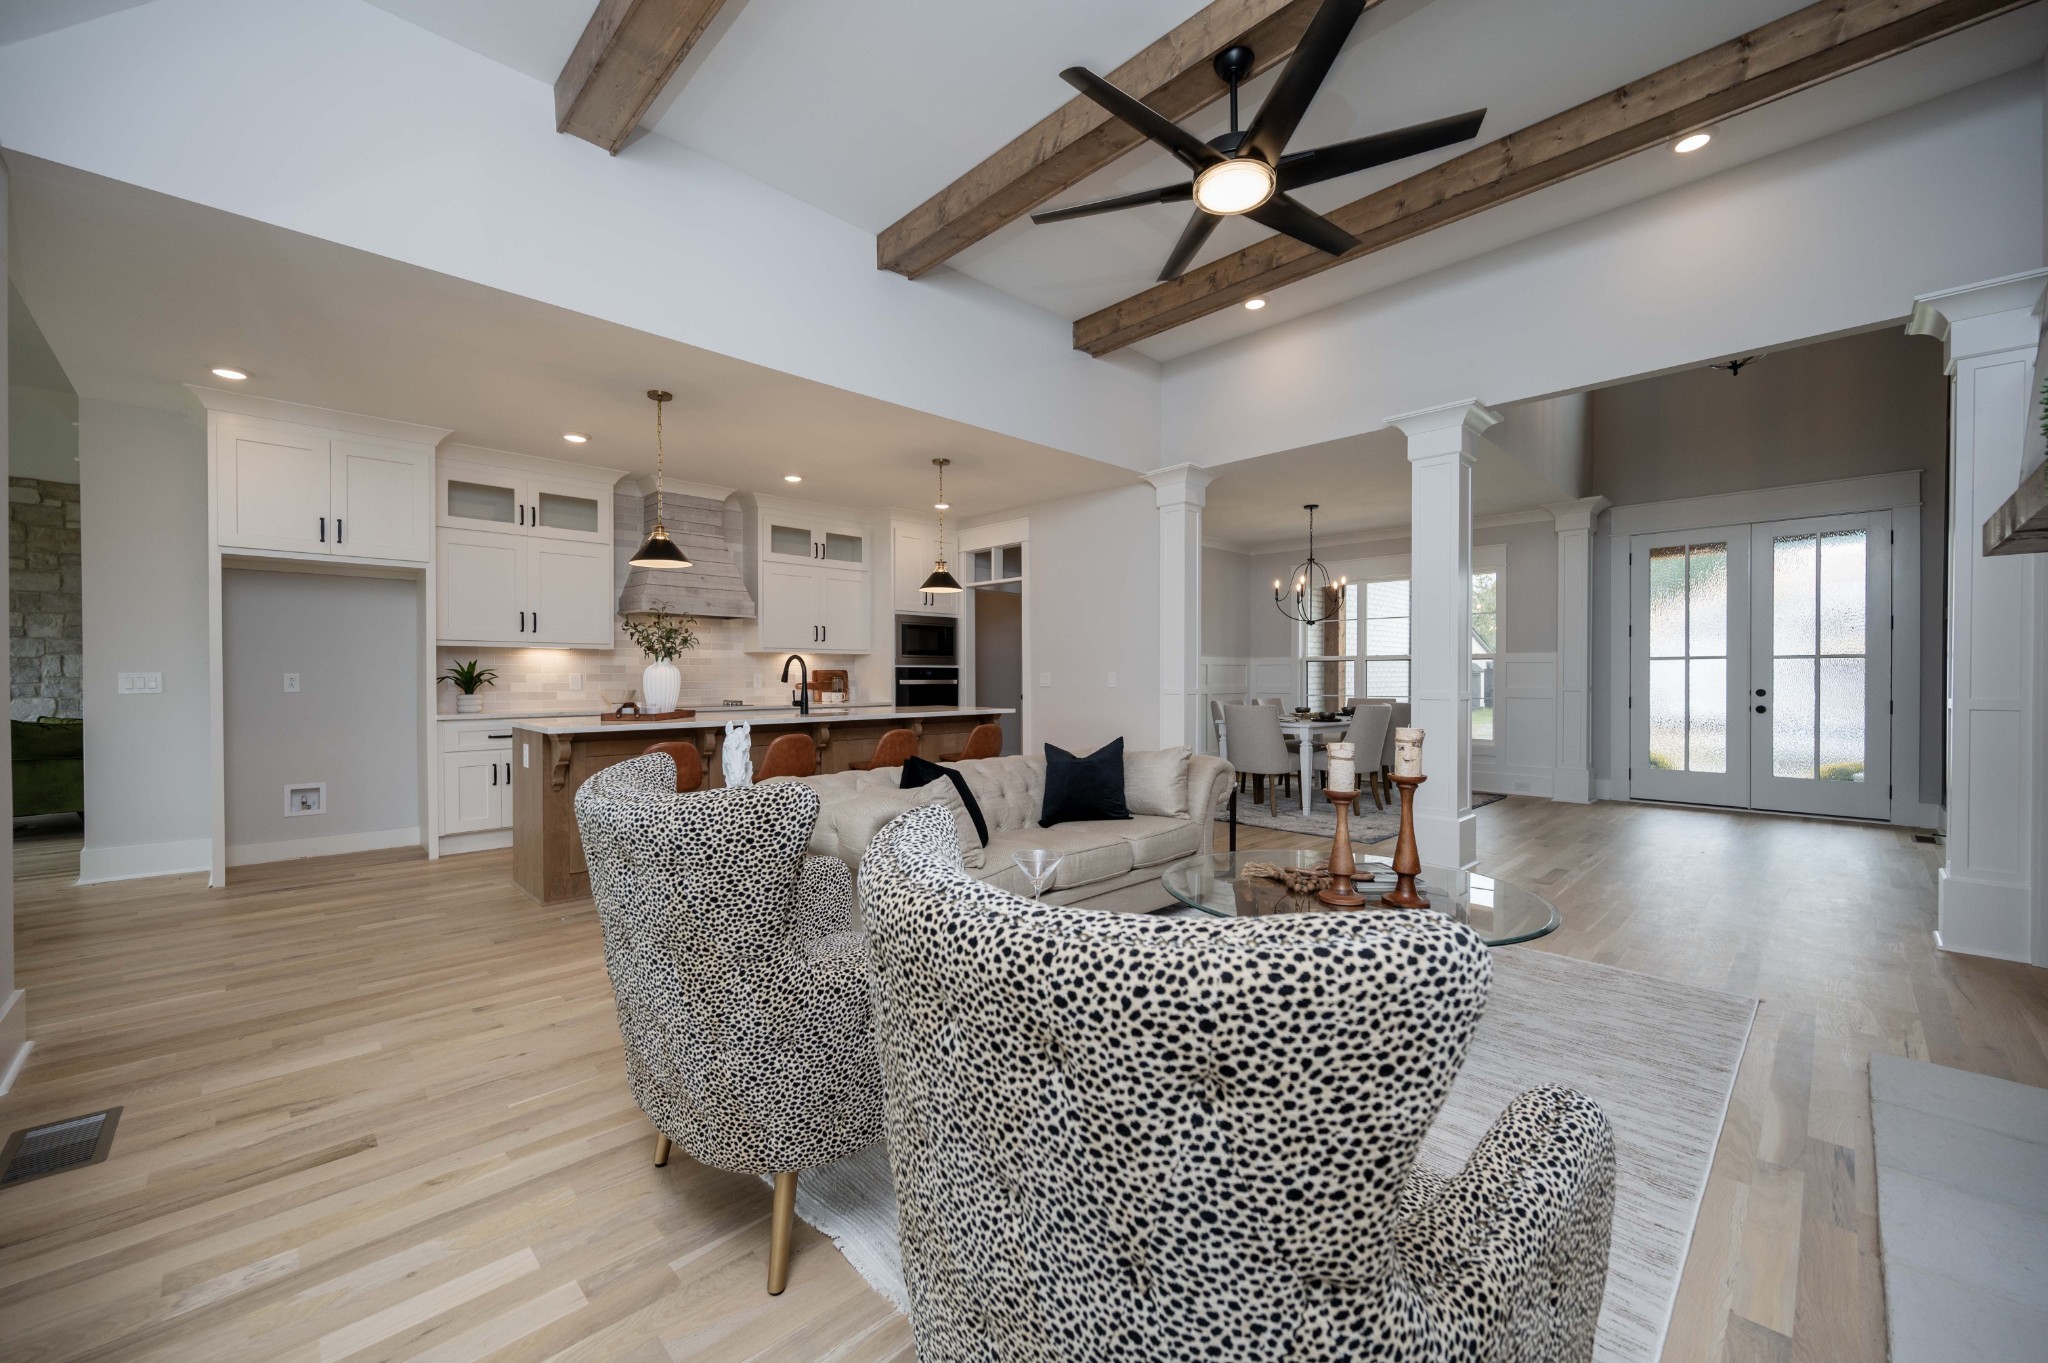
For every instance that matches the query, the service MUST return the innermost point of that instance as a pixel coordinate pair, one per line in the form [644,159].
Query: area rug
[1368,825]
[1962,1200]
[1659,1057]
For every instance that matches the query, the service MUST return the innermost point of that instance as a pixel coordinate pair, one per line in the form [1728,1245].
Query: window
[1364,648]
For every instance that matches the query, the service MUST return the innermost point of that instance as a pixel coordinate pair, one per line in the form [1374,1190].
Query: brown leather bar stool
[895,748]
[689,763]
[985,741]
[788,755]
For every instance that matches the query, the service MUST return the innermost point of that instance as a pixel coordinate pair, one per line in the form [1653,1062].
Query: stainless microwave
[926,639]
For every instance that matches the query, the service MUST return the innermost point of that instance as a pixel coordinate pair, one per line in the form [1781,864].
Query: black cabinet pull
[1759,690]
[522,513]
[494,773]
[522,622]
[536,622]
[323,530]
[504,736]
[508,773]
[337,529]
[824,634]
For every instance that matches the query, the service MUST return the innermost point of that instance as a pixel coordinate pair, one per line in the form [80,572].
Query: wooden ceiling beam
[1172,75]
[1802,49]
[627,52]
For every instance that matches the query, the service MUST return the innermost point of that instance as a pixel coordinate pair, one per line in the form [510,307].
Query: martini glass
[1038,866]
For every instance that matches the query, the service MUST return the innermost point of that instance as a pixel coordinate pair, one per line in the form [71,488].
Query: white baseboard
[455,844]
[14,1042]
[1982,918]
[1513,780]
[339,844]
[137,861]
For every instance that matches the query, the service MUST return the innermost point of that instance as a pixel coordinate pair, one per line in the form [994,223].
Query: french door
[1761,666]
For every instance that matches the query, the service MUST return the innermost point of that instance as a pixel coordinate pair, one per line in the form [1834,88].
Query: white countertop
[591,712]
[718,718]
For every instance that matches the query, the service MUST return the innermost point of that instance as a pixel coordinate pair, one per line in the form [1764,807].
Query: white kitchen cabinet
[473,494]
[811,572]
[299,489]
[915,549]
[476,790]
[569,600]
[786,607]
[845,621]
[506,588]
[793,535]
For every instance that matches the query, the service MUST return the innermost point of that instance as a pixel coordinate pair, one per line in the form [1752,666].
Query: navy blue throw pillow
[919,772]
[1083,788]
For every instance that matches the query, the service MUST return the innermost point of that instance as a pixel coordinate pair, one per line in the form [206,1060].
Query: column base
[1982,917]
[1448,841]
[1572,785]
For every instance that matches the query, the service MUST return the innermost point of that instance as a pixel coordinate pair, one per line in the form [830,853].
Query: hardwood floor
[374,1106]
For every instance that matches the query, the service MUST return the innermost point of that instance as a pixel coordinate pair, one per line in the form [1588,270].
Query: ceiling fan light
[659,551]
[1235,186]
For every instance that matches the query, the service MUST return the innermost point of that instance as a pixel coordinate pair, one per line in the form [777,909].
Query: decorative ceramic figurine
[1408,752]
[738,759]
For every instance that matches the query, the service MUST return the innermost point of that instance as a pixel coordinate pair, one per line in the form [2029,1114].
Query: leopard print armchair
[741,980]
[1124,1138]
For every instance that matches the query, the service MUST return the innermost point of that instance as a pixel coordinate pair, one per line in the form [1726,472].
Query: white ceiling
[866,110]
[140,294]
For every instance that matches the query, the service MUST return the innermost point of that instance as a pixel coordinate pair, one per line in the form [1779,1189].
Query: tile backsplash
[716,670]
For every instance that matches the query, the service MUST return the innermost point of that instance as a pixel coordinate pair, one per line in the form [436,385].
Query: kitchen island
[553,757]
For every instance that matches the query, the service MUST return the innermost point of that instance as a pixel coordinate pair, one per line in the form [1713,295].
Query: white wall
[353,724]
[42,434]
[1091,590]
[334,118]
[1226,596]
[142,477]
[1837,235]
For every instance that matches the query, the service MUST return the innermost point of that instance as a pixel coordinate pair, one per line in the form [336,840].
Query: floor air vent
[51,1149]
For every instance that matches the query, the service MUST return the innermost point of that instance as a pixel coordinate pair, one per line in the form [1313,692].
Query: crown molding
[355,423]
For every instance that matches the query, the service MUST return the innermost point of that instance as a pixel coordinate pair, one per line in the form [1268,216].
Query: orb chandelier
[1312,600]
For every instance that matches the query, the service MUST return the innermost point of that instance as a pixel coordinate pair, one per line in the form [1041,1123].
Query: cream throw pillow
[1157,782]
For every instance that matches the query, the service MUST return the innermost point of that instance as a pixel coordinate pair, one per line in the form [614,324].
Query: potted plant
[663,638]
[470,678]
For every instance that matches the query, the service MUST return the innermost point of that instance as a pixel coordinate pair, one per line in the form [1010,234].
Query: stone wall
[44,639]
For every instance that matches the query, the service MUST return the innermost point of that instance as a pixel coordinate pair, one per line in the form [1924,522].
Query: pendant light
[1311,602]
[941,580]
[658,550]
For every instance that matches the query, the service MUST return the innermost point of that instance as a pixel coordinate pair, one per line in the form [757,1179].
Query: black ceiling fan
[1251,172]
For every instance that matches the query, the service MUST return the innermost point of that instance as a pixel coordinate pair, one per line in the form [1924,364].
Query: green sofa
[49,766]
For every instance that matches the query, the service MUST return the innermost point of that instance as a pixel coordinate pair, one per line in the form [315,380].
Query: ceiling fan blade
[1290,96]
[1142,116]
[1191,238]
[1363,153]
[1305,225]
[1165,194]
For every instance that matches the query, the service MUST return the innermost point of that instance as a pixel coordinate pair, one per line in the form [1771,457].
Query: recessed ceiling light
[792,477]
[1691,142]
[942,506]
[575,437]
[1254,304]
[226,373]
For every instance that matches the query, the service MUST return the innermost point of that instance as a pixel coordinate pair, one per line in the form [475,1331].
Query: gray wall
[353,724]
[147,763]
[46,659]
[1226,617]
[1847,408]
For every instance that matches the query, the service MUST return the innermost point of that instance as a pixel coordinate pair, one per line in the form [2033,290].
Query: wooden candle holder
[1342,894]
[1407,861]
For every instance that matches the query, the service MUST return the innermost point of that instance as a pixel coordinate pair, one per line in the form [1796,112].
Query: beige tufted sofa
[1110,864]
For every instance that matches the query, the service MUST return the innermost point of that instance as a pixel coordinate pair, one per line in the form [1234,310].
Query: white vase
[469,705]
[661,685]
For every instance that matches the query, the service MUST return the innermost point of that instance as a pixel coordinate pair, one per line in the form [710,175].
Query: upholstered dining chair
[1196,1138]
[1258,749]
[892,749]
[984,740]
[1401,720]
[1370,725]
[788,755]
[741,979]
[689,762]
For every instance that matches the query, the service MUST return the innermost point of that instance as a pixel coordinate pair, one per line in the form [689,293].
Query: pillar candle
[1408,752]
[1343,769]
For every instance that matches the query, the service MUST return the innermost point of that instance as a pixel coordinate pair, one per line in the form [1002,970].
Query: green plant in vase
[468,679]
[662,638]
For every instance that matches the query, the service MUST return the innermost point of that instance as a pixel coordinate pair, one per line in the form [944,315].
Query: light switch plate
[1045,679]
[141,683]
[1112,679]
[575,681]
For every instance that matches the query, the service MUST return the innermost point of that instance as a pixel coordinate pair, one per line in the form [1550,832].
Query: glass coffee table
[1214,882]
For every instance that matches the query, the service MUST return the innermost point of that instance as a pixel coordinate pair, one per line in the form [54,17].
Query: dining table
[1308,731]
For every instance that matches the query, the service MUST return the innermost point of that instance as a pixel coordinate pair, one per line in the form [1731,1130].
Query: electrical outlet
[575,681]
[310,798]
[757,681]
[1112,679]
[1045,679]
[291,681]
[140,683]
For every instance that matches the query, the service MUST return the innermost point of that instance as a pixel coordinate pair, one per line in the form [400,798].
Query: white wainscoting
[1224,679]
[1522,759]
[1277,677]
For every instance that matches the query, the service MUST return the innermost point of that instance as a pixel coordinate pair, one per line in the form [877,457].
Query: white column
[1179,493]
[1989,897]
[1442,444]
[1572,774]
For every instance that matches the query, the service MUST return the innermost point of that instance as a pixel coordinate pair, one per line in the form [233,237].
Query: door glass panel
[1667,601]
[558,512]
[1689,657]
[842,548]
[1706,726]
[481,502]
[1667,713]
[1819,610]
[1706,613]
[790,541]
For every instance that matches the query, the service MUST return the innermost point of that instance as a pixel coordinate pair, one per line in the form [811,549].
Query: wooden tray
[669,718]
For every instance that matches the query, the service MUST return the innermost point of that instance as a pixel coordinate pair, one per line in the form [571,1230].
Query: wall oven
[927,641]
[927,686]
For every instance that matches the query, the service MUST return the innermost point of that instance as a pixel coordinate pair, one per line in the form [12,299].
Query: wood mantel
[551,760]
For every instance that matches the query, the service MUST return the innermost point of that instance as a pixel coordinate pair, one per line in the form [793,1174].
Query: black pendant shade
[658,550]
[941,580]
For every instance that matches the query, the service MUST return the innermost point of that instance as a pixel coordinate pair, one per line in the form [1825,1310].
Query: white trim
[14,1042]
[1511,780]
[497,461]
[142,860]
[1878,492]
[456,844]
[327,418]
[332,845]
[1527,516]
[994,535]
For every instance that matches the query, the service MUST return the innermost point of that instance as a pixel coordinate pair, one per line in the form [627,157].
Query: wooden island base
[549,765]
